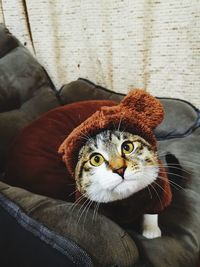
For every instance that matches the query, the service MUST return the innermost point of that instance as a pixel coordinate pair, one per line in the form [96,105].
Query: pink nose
[120,171]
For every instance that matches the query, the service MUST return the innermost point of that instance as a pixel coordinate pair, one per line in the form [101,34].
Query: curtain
[119,44]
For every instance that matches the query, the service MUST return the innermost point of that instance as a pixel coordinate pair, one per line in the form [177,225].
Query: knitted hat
[138,113]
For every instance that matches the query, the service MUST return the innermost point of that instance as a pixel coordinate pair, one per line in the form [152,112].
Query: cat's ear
[149,109]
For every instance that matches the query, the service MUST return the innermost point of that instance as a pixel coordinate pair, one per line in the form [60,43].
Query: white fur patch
[107,186]
[150,226]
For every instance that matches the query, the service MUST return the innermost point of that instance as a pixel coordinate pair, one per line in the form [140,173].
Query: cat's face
[114,165]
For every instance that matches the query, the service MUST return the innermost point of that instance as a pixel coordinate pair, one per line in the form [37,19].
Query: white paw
[152,232]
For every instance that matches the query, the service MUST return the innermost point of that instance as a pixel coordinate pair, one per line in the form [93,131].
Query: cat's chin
[123,188]
[121,191]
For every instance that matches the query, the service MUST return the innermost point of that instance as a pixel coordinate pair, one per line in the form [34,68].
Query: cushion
[34,163]
[25,90]
[40,231]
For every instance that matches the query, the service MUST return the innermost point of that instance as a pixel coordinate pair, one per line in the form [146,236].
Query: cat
[115,165]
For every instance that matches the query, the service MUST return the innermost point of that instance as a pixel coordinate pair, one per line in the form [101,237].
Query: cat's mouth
[113,189]
[129,182]
[122,182]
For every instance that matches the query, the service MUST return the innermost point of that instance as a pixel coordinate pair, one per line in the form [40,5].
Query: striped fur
[102,183]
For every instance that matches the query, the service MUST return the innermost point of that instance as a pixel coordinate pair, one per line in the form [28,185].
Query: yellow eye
[127,147]
[96,159]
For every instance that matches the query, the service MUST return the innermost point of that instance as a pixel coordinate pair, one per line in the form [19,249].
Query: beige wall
[1,13]
[15,18]
[118,44]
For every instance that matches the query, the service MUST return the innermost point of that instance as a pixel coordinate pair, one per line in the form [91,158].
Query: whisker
[96,210]
[189,163]
[85,137]
[82,205]
[72,193]
[87,210]
[176,168]
[161,187]
[170,167]
[149,192]
[118,128]
[87,203]
[185,159]
[122,131]
[177,175]
[163,153]
[77,202]
[165,179]
[157,195]
[171,182]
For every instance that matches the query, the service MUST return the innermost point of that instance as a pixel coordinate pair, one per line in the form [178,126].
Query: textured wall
[15,17]
[1,13]
[119,44]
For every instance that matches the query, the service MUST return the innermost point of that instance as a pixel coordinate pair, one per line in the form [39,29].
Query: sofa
[40,230]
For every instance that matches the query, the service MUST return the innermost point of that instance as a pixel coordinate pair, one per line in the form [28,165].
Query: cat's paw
[152,232]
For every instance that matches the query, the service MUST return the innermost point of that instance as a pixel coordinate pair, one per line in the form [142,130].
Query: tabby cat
[114,165]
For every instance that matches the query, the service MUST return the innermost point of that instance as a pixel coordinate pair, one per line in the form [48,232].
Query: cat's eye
[96,159]
[127,147]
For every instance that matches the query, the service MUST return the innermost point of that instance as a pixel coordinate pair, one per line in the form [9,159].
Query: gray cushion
[59,225]
[25,90]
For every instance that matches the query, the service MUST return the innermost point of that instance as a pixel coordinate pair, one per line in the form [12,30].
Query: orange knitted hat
[138,113]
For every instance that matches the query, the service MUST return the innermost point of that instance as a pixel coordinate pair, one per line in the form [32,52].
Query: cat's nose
[120,171]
